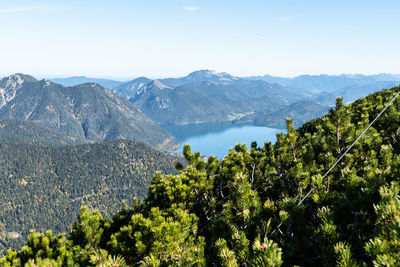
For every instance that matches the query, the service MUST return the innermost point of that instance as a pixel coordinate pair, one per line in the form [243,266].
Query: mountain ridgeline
[86,112]
[267,205]
[335,83]
[205,96]
[208,96]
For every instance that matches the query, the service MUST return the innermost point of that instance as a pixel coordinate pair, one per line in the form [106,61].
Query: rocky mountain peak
[9,86]
[202,75]
[149,86]
[46,83]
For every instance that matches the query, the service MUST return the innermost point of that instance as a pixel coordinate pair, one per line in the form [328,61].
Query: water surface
[217,138]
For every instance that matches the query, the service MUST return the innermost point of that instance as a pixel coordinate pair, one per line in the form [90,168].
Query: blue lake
[218,138]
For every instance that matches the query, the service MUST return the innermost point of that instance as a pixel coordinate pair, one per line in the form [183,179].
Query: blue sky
[160,38]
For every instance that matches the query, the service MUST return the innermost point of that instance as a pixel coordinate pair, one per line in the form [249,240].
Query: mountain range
[209,96]
[205,96]
[200,97]
[86,112]
[329,83]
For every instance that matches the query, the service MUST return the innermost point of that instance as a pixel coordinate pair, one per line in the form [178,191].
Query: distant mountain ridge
[330,83]
[77,80]
[87,111]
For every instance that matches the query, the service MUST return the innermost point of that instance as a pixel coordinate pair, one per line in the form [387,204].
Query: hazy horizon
[125,39]
[124,79]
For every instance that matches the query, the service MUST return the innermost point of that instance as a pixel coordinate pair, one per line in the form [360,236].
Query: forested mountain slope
[43,187]
[227,213]
[27,132]
[87,111]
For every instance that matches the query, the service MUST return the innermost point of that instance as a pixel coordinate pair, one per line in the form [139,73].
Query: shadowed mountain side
[87,111]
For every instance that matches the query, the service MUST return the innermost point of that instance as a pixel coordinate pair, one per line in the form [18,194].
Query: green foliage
[44,187]
[266,253]
[41,249]
[343,254]
[227,213]
[41,263]
[326,234]
[169,238]
[384,249]
[101,258]
[225,256]
[89,228]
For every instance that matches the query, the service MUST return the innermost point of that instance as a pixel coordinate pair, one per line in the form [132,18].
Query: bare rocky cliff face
[9,87]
